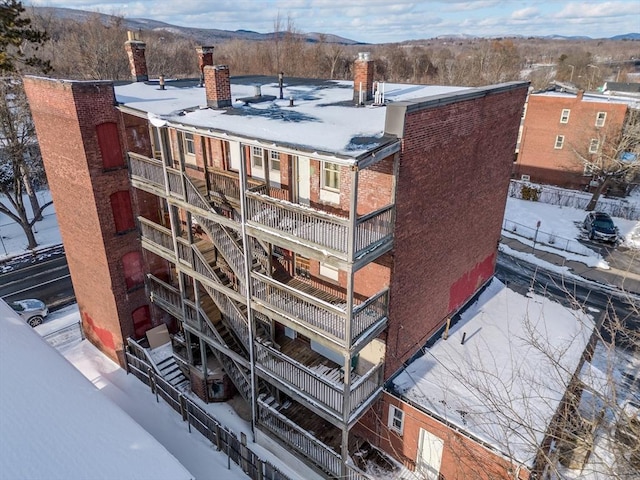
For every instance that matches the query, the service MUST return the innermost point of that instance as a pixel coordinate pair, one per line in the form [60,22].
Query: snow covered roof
[504,384]
[55,424]
[323,118]
[631,102]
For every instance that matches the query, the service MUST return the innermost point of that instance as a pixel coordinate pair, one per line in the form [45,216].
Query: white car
[31,310]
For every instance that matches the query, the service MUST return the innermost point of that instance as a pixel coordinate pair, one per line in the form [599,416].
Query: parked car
[599,226]
[31,310]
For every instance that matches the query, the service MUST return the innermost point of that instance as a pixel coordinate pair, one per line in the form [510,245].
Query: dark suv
[599,226]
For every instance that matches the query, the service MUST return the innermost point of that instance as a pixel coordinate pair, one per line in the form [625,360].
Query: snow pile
[54,424]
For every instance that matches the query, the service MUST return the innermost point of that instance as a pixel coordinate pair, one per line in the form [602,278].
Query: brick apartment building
[289,233]
[559,127]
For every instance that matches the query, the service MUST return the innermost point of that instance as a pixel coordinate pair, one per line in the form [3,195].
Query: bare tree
[612,155]
[595,432]
[20,162]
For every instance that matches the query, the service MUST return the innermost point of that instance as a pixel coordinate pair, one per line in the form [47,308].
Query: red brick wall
[363,75]
[66,115]
[217,86]
[539,159]
[462,457]
[137,61]
[454,173]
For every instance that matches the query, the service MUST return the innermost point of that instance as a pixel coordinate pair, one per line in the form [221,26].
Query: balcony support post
[248,284]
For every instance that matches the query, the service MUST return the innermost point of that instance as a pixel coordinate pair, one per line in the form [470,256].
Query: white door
[235,156]
[429,455]
[304,180]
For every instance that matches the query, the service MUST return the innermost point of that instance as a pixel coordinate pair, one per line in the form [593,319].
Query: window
[256,157]
[141,320]
[331,176]
[593,146]
[303,266]
[396,419]
[189,144]
[589,169]
[109,145]
[122,211]
[600,118]
[564,116]
[329,272]
[559,142]
[133,270]
[275,161]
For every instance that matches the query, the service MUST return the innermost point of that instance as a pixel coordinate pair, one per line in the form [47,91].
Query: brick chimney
[137,62]
[580,94]
[363,78]
[217,86]
[205,57]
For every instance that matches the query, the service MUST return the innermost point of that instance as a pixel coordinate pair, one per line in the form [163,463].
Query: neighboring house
[558,126]
[482,397]
[309,237]
[56,424]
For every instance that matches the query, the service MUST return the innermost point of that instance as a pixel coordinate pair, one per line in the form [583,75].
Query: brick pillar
[205,58]
[137,61]
[218,86]
[69,117]
[363,78]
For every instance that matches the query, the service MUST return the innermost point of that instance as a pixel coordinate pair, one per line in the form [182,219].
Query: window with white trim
[559,142]
[396,419]
[189,144]
[564,116]
[600,119]
[274,161]
[589,169]
[188,147]
[257,160]
[331,176]
[594,145]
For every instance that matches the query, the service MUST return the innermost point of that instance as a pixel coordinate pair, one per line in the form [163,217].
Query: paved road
[574,292]
[48,280]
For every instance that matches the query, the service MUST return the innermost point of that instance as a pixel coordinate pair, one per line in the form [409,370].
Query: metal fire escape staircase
[234,314]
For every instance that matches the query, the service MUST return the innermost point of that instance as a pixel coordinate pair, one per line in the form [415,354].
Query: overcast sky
[379,21]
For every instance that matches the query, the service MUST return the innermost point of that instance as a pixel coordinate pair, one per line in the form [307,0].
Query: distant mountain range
[206,36]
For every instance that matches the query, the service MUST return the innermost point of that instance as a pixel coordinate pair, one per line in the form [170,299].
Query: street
[47,280]
[576,292]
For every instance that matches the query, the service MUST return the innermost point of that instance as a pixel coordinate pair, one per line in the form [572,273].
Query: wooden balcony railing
[165,296]
[301,306]
[312,382]
[323,229]
[329,318]
[299,439]
[176,187]
[226,185]
[369,312]
[143,168]
[157,234]
[373,228]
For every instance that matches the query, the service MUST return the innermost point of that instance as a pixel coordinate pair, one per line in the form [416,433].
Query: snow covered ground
[193,450]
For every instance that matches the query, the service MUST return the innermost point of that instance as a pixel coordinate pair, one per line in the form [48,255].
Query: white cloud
[525,13]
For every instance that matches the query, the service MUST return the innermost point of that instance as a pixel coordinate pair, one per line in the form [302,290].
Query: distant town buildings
[563,129]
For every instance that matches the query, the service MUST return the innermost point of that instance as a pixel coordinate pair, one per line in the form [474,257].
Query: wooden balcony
[319,229]
[271,210]
[315,440]
[314,310]
[308,374]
